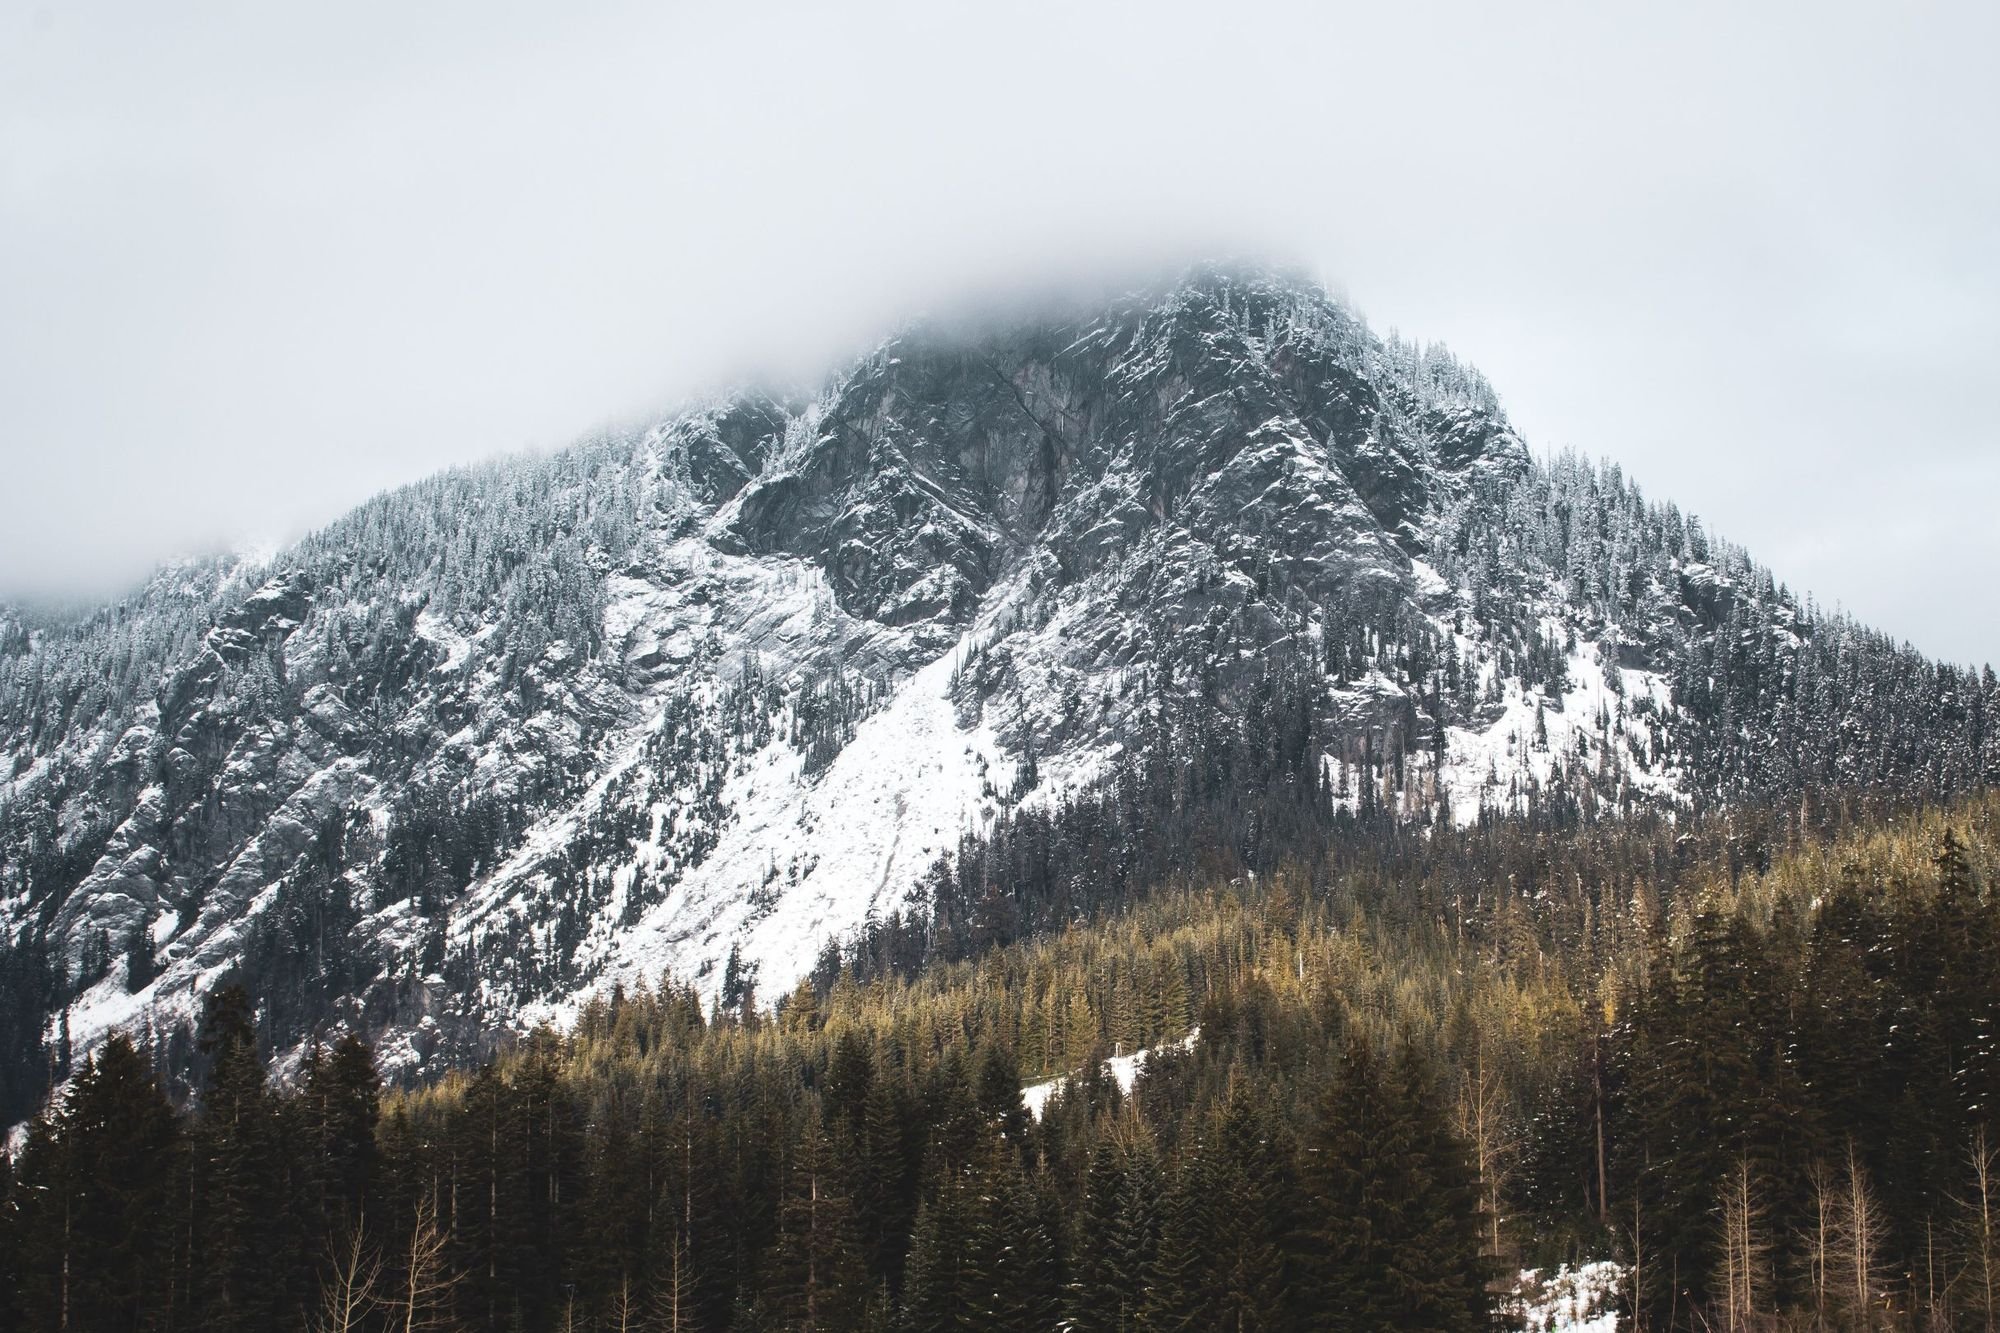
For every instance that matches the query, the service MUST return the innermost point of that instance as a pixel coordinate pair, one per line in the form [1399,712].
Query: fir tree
[95,1188]
[242,1228]
[940,1289]
[1181,1290]
[1392,1235]
[1102,1299]
[816,1280]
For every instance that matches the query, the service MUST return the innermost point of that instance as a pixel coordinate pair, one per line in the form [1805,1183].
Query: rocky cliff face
[739,680]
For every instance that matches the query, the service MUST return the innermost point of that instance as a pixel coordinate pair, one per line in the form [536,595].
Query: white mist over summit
[261,264]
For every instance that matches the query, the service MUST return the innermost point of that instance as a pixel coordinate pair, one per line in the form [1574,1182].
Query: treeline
[1752,1062]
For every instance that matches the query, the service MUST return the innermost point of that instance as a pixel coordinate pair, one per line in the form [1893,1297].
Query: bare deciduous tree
[1482,1123]
[1746,1249]
[624,1317]
[422,1300]
[352,1286]
[1858,1235]
[671,1297]
[1817,1238]
[1979,1232]
[1638,1277]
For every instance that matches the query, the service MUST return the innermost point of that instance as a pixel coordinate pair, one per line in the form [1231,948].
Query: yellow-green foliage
[1513,984]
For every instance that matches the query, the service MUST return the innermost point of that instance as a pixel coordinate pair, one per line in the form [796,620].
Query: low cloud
[259,265]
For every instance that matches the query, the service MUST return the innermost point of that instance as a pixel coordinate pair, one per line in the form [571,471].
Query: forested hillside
[1749,1054]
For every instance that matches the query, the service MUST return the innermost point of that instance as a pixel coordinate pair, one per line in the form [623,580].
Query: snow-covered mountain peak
[740,681]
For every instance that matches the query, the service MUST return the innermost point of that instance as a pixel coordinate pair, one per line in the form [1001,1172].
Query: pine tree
[849,1078]
[1392,1237]
[1450,1287]
[815,1280]
[1256,1213]
[1017,1282]
[242,1226]
[999,1091]
[1139,1224]
[476,1216]
[886,1187]
[939,1287]
[1102,1299]
[336,1113]
[1181,1289]
[95,1194]
[540,1183]
[676,1280]
[1358,1167]
[610,1222]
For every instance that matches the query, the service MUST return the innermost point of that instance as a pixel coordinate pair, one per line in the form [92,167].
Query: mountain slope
[737,681]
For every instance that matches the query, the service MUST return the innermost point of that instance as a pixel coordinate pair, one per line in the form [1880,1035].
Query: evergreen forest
[1749,1055]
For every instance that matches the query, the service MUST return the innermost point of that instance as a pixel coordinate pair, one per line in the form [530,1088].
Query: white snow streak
[1123,1068]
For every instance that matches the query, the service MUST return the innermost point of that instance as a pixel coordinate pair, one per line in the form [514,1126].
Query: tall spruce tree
[886,1165]
[245,1245]
[91,1237]
[940,1288]
[1017,1277]
[815,1281]
[1392,1231]
[1102,1299]
[1256,1216]
[1449,1292]
[1181,1291]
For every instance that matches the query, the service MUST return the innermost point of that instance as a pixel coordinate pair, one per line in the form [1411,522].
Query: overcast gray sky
[260,261]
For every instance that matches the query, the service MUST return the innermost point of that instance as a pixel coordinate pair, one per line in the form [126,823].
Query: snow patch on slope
[1583,1299]
[1124,1069]
[1599,724]
[805,860]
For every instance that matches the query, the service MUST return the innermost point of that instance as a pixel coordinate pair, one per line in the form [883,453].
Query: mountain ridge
[736,682]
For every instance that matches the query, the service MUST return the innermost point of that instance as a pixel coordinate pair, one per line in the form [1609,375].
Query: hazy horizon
[263,266]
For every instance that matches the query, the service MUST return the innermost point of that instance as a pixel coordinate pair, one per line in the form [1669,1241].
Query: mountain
[776,669]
